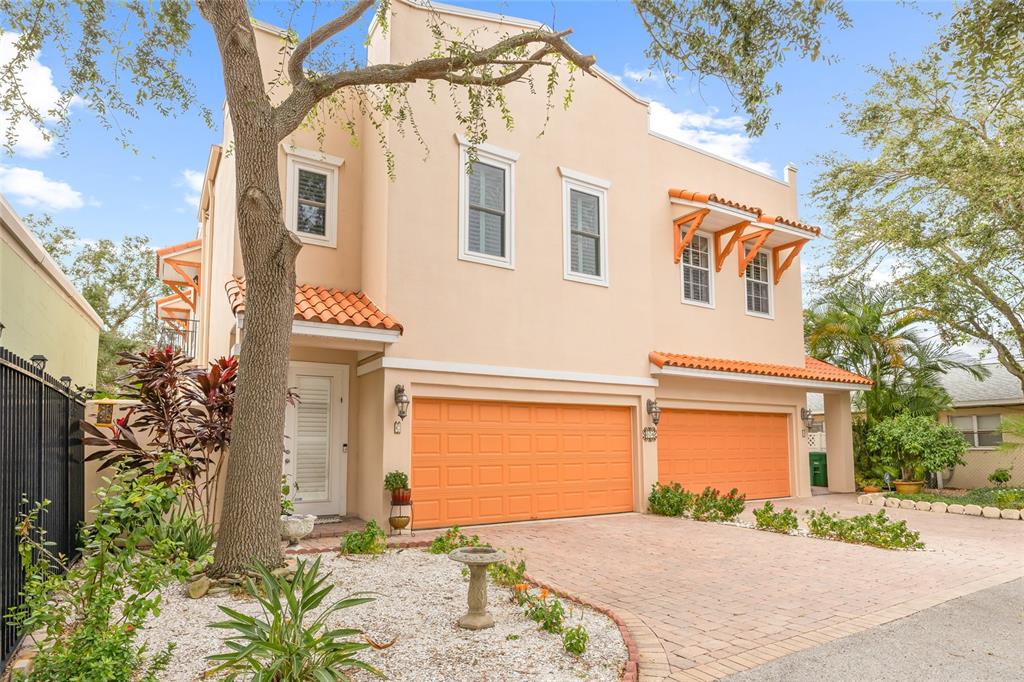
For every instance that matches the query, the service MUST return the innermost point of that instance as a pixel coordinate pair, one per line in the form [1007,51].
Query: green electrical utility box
[819,469]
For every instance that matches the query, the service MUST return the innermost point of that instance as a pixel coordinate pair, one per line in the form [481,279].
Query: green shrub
[278,644]
[453,538]
[549,613]
[869,529]
[711,506]
[766,518]
[370,540]
[915,444]
[287,505]
[508,573]
[1000,476]
[669,500]
[575,640]
[396,480]
[1008,498]
[91,610]
[191,532]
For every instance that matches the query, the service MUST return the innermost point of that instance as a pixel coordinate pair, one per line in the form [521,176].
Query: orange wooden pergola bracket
[681,241]
[758,238]
[721,253]
[794,247]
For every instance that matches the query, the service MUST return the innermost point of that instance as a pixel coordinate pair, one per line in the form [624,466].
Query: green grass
[1002,498]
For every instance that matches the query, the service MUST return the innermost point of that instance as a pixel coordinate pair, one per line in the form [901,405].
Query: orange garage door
[483,462]
[725,450]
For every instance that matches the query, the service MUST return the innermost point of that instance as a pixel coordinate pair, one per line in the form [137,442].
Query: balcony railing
[181,337]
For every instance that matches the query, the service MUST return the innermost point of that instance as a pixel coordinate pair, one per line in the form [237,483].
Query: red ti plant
[180,408]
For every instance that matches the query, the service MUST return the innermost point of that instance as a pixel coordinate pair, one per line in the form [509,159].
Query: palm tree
[867,330]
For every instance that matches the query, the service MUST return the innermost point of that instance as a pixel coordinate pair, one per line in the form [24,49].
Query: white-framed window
[584,227]
[979,430]
[311,205]
[696,273]
[486,205]
[757,279]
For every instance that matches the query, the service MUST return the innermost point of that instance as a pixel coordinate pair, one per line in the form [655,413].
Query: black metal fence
[182,336]
[41,458]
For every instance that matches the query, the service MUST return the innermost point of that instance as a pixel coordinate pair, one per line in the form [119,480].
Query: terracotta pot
[871,489]
[399,522]
[401,496]
[908,487]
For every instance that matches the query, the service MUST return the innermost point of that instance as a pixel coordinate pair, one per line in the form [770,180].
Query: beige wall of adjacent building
[40,309]
[980,462]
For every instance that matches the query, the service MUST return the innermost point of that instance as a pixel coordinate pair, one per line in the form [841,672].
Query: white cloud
[193,181]
[723,136]
[641,76]
[33,189]
[40,92]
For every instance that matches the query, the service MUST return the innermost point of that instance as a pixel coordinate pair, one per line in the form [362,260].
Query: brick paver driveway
[706,600]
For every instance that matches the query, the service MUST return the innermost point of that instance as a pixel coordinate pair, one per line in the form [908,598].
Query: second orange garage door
[485,462]
[744,450]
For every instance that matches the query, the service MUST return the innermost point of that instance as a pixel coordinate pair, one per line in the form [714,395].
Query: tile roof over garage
[813,369]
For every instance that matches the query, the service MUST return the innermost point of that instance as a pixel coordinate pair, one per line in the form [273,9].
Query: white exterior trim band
[389,362]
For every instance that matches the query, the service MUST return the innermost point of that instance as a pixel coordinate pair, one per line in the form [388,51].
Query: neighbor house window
[759,292]
[486,221]
[585,227]
[979,430]
[311,209]
[695,270]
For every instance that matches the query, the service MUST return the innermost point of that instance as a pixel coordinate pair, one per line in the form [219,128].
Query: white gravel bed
[421,596]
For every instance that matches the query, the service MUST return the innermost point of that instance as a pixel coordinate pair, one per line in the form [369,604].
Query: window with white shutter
[759,292]
[695,271]
[585,227]
[311,206]
[486,205]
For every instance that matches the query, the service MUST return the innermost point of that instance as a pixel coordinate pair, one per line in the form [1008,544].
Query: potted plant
[398,483]
[914,445]
[294,526]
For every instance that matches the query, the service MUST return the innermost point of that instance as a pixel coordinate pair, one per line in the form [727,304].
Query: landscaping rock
[892,502]
[939,507]
[1010,514]
[214,591]
[879,501]
[972,510]
[990,512]
[955,509]
[923,506]
[199,587]
[907,504]
[864,499]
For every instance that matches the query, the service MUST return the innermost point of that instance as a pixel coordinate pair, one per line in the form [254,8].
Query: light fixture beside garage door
[402,403]
[650,433]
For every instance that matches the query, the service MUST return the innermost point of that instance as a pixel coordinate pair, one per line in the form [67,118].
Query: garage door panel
[482,462]
[744,450]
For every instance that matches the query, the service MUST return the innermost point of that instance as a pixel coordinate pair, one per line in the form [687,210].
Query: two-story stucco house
[540,312]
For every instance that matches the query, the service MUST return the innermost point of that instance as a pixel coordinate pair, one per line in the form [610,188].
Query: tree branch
[296,73]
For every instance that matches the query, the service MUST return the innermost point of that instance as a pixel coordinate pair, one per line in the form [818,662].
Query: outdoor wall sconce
[402,401]
[654,411]
[39,361]
[806,417]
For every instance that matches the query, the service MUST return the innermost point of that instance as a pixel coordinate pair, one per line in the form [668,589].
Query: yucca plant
[279,646]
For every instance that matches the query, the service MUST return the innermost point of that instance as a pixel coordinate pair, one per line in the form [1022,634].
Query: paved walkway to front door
[704,601]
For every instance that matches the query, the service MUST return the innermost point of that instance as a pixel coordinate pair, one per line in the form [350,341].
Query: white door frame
[337,463]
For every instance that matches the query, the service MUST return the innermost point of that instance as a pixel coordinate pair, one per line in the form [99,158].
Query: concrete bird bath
[477,559]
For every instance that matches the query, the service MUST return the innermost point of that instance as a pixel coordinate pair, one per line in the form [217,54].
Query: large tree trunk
[249,526]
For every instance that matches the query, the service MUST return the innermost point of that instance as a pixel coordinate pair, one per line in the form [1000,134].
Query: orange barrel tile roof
[328,306]
[712,198]
[813,369]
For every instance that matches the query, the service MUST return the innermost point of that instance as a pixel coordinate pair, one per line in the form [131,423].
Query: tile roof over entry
[759,215]
[327,306]
[813,369]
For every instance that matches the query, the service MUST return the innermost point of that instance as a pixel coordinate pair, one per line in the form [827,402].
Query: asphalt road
[977,638]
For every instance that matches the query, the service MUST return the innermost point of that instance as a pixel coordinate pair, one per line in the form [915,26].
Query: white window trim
[573,180]
[318,162]
[770,315]
[711,276]
[973,444]
[505,160]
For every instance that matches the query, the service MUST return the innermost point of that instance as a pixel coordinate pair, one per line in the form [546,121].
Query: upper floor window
[695,270]
[311,205]
[585,227]
[486,220]
[979,430]
[759,291]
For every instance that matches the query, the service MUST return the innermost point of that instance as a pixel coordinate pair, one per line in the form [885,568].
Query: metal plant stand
[392,531]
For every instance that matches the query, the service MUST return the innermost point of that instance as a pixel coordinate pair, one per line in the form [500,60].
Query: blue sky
[103,190]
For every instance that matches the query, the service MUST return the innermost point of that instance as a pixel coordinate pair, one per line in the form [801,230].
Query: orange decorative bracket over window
[734,234]
[758,238]
[794,250]
[681,241]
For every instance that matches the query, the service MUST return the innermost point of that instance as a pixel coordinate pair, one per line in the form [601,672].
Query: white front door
[316,461]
